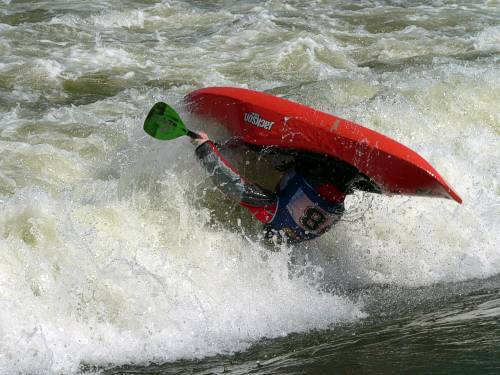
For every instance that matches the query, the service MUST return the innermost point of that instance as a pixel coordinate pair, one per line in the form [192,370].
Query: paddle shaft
[193,135]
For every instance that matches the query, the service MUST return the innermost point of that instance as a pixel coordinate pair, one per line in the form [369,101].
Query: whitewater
[116,249]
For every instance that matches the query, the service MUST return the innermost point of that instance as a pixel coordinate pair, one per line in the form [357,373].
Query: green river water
[117,255]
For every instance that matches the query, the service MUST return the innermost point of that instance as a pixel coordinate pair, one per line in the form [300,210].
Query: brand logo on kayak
[255,119]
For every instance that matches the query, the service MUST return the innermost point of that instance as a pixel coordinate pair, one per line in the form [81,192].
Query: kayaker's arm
[261,202]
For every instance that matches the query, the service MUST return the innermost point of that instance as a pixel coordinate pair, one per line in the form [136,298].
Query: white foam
[104,280]
[488,39]
[4,26]
[100,57]
[420,241]
[48,68]
[119,19]
[104,20]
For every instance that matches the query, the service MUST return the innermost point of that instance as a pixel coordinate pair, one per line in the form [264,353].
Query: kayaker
[305,205]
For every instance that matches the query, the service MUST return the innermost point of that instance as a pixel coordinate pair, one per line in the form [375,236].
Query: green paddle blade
[164,123]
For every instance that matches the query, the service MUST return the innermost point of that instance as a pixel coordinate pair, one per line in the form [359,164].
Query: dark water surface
[444,329]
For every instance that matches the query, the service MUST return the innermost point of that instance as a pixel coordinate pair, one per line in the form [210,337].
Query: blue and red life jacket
[301,213]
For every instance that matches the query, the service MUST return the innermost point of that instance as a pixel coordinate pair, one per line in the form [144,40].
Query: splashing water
[115,248]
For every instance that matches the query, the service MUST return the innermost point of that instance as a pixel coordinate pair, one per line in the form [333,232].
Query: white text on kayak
[255,119]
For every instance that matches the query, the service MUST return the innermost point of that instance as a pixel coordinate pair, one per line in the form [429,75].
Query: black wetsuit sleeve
[229,181]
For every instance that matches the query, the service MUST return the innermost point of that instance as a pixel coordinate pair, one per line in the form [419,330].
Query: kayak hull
[265,120]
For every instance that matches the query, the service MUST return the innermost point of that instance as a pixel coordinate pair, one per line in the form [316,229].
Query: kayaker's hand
[199,141]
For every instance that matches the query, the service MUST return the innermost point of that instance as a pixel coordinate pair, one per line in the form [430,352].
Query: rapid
[116,250]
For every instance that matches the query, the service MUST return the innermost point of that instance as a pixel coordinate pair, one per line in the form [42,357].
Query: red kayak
[265,120]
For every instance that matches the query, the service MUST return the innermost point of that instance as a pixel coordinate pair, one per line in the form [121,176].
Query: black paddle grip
[193,134]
